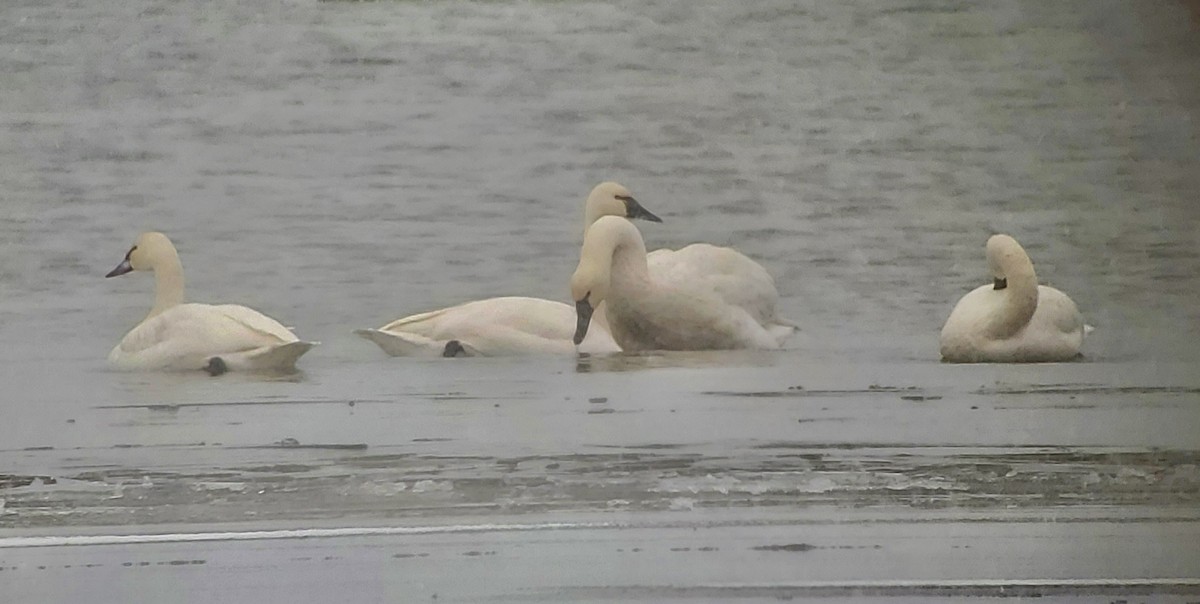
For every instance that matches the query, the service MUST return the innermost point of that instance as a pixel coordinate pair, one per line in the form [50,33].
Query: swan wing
[734,277]
[678,319]
[254,321]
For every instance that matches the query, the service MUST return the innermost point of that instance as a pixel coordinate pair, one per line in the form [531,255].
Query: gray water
[337,165]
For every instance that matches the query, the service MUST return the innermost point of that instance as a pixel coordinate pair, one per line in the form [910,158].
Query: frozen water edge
[645,557]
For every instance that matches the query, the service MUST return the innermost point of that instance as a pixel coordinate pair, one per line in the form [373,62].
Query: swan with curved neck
[645,313]
[510,325]
[177,335]
[1013,319]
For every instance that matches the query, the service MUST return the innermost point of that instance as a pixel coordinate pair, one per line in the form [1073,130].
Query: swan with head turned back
[179,335]
[649,313]
[1013,319]
[510,325]
[491,327]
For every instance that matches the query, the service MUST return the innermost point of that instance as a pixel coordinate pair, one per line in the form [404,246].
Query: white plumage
[175,335]
[680,311]
[1014,320]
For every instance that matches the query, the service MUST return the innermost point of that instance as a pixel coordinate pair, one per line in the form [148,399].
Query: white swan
[508,325]
[647,313]
[1012,320]
[176,335]
[491,327]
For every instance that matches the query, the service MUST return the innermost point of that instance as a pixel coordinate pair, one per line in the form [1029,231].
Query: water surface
[338,165]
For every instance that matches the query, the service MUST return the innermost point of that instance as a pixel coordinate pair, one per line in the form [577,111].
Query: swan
[178,335]
[649,313]
[1012,320]
[510,325]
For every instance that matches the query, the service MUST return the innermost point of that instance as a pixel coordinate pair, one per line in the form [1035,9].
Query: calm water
[337,165]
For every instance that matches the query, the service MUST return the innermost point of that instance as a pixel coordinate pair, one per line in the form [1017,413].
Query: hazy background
[337,165]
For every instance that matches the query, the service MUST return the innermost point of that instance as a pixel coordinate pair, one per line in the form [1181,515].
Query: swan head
[1006,258]
[613,199]
[145,254]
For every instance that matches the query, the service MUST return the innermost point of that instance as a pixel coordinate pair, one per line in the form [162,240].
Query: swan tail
[781,331]
[283,356]
[785,323]
[403,344]
[1088,329]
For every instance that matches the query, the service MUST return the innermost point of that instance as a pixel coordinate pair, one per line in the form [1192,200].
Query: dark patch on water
[1088,389]
[281,468]
[176,406]
[12,481]
[291,443]
[790,547]
[800,391]
[368,61]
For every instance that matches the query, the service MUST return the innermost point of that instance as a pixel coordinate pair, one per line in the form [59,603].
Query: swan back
[737,279]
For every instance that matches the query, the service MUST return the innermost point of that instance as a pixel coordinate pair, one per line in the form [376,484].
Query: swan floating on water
[493,327]
[178,335]
[519,325]
[1013,319]
[646,312]
[510,325]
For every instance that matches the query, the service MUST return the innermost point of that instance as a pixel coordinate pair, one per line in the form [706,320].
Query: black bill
[583,314]
[633,210]
[122,268]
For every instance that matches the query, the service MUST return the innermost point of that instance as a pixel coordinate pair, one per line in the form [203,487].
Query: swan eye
[624,198]
[130,252]
[1000,284]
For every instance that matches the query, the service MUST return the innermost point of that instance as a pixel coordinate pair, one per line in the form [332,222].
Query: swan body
[648,313]
[1014,320]
[728,273]
[490,327]
[178,335]
[508,325]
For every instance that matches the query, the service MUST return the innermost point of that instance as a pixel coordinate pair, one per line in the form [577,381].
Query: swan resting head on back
[215,338]
[1013,319]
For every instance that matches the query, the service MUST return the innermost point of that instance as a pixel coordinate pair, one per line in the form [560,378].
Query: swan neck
[168,284]
[629,267]
[1020,299]
[590,215]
